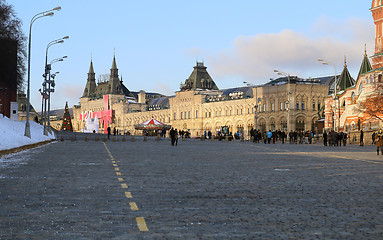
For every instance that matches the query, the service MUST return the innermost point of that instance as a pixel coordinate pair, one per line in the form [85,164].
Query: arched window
[353,99]
[360,88]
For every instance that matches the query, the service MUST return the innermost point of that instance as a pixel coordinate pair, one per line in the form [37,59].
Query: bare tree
[373,106]
[10,28]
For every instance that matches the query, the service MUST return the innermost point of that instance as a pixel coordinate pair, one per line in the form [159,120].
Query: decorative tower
[91,82]
[67,123]
[345,80]
[377,14]
[114,81]
[365,67]
[199,79]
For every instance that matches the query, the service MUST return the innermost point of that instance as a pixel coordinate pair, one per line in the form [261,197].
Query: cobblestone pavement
[196,190]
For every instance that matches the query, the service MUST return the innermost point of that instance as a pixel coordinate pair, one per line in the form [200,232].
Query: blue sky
[158,42]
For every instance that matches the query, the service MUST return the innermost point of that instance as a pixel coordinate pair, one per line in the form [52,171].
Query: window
[281,104]
[209,114]
[286,105]
[196,114]
[189,114]
[318,106]
[272,107]
[264,107]
[182,115]
[241,111]
[360,88]
[175,116]
[205,114]
[313,106]
[297,105]
[303,105]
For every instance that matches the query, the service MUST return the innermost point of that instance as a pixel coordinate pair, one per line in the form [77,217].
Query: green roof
[365,67]
[345,80]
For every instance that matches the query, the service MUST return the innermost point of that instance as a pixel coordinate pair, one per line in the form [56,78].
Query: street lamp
[27,132]
[288,96]
[52,83]
[324,62]
[46,74]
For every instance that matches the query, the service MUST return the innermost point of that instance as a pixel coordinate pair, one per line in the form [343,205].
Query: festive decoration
[152,124]
[67,123]
[104,115]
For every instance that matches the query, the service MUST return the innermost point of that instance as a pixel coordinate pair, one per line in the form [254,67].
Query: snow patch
[12,133]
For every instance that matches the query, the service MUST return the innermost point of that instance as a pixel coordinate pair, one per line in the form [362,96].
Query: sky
[157,43]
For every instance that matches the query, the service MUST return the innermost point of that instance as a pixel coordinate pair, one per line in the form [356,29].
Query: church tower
[114,81]
[91,82]
[377,14]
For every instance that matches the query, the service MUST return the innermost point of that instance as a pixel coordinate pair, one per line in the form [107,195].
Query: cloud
[255,57]
[68,93]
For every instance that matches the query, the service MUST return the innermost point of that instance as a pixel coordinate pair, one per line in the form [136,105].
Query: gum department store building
[287,103]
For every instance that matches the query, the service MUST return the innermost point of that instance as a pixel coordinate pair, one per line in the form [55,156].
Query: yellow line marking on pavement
[120,179]
[141,224]
[115,165]
[118,173]
[116,169]
[123,185]
[133,206]
[128,194]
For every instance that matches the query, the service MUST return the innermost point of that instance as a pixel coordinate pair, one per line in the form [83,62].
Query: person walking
[361,138]
[373,137]
[269,134]
[176,136]
[345,138]
[108,129]
[379,141]
[172,134]
[114,131]
[325,138]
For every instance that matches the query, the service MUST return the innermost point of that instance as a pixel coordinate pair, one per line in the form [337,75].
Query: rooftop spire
[345,80]
[366,65]
[91,70]
[114,65]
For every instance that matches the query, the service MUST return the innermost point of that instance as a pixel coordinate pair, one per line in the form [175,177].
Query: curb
[25,147]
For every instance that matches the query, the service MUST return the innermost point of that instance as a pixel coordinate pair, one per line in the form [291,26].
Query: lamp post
[324,62]
[27,132]
[46,74]
[51,83]
[288,96]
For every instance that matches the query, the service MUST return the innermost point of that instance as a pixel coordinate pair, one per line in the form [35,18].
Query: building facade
[288,103]
[345,109]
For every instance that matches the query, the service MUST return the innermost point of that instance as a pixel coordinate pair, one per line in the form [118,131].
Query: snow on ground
[12,133]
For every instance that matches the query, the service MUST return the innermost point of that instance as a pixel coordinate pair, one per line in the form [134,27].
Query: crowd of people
[294,137]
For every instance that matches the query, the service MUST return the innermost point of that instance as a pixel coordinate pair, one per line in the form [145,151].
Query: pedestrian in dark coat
[108,129]
[361,138]
[114,131]
[172,136]
[325,138]
[379,141]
